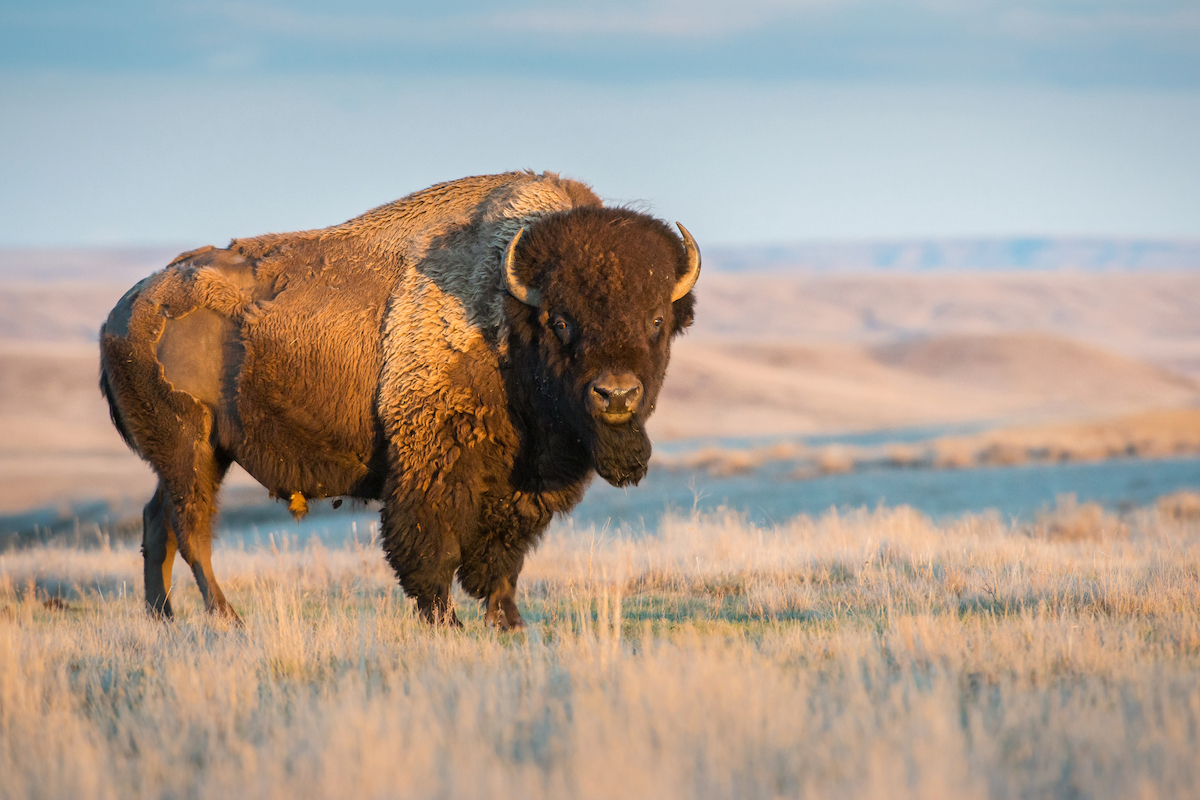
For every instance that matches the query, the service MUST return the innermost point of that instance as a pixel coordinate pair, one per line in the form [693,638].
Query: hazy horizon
[896,255]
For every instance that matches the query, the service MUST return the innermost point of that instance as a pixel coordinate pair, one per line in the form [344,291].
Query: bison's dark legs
[180,516]
[158,553]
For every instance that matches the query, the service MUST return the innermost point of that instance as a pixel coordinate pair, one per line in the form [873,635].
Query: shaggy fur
[383,358]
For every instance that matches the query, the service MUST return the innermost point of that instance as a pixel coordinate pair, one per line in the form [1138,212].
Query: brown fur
[383,358]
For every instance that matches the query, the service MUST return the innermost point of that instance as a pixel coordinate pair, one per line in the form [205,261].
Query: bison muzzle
[470,354]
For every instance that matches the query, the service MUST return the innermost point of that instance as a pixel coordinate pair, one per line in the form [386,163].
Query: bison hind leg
[194,515]
[179,516]
[158,554]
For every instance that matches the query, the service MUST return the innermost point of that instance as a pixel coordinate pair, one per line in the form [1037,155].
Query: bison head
[598,294]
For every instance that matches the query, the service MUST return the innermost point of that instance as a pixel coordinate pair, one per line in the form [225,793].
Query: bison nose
[615,396]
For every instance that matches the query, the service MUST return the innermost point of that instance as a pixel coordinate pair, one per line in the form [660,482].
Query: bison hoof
[226,613]
[506,618]
[439,617]
[160,611]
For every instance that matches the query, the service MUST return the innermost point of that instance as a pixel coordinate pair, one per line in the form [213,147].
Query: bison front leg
[502,607]
[436,609]
[493,557]
[424,553]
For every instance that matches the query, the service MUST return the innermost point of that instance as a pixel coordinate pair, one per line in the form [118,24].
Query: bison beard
[620,453]
[415,355]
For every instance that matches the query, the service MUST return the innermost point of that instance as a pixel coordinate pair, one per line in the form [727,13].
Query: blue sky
[757,121]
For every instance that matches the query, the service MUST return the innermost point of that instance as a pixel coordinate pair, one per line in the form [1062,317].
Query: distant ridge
[125,265]
[129,264]
[924,255]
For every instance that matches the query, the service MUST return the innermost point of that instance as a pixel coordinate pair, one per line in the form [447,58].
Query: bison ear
[684,311]
[685,284]
[526,294]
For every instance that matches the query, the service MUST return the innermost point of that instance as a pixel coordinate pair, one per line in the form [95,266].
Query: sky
[154,123]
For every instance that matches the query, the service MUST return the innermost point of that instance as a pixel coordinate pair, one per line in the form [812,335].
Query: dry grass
[1151,434]
[1161,433]
[866,655]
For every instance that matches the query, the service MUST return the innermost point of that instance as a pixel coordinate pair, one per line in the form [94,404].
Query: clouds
[1052,42]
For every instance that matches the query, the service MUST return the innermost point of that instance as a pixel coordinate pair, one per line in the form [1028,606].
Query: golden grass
[1151,434]
[872,654]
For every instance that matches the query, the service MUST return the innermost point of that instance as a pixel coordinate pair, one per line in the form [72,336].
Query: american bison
[469,354]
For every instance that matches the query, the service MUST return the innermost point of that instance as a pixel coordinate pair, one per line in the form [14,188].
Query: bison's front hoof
[160,611]
[502,613]
[225,612]
[438,615]
[513,622]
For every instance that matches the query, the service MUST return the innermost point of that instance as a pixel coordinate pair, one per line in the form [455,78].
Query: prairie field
[734,651]
[872,653]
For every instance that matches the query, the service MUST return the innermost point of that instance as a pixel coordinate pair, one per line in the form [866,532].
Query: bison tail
[114,412]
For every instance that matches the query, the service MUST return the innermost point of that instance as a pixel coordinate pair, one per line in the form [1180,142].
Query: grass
[872,654]
[1163,433]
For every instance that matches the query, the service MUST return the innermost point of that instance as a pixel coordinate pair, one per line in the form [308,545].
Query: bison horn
[526,294]
[685,284]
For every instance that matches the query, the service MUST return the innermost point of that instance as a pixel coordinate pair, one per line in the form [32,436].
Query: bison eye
[656,327]
[562,329]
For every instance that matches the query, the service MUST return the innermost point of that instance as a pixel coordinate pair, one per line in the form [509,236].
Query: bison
[470,355]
